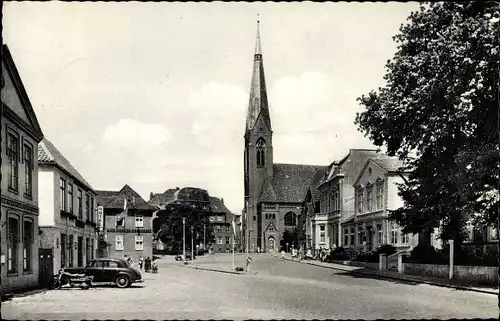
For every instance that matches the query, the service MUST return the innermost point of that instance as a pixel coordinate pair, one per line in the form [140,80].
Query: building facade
[21,134]
[221,220]
[274,193]
[376,194]
[67,217]
[336,199]
[126,224]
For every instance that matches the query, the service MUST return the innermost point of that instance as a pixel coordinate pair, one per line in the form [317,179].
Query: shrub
[371,257]
[427,254]
[386,249]
[338,254]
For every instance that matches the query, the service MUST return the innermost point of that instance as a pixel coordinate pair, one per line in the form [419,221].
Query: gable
[10,96]
[370,173]
[15,98]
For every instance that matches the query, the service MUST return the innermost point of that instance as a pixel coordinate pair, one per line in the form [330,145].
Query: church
[273,192]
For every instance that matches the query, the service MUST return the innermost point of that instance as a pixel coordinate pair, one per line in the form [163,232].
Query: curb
[458,287]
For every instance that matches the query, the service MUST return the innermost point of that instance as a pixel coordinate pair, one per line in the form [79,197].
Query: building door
[270,244]
[45,266]
[80,251]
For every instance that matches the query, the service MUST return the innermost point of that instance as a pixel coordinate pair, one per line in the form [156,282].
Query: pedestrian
[141,262]
[282,254]
[147,264]
[130,261]
[125,258]
[155,267]
[301,254]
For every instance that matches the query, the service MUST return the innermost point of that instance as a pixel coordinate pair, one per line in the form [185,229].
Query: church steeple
[258,105]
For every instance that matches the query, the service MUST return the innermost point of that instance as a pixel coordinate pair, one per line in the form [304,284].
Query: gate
[46,266]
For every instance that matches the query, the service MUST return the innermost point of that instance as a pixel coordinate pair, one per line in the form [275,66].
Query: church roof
[116,200]
[290,183]
[50,155]
[258,105]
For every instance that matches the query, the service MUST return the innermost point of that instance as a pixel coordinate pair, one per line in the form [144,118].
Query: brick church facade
[273,192]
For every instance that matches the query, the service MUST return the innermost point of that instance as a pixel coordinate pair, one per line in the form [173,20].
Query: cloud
[133,133]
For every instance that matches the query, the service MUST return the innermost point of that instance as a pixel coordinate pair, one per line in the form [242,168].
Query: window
[97,264]
[28,170]
[120,221]
[79,203]
[228,228]
[63,250]
[261,155]
[220,218]
[13,244]
[227,239]
[92,210]
[91,248]
[62,194]
[336,202]
[469,228]
[87,207]
[290,219]
[28,246]
[360,200]
[404,238]
[380,194]
[492,234]
[254,218]
[13,161]
[394,234]
[119,242]
[322,229]
[70,249]
[70,197]
[274,216]
[352,236]
[139,242]
[369,198]
[267,216]
[380,232]
[139,220]
[219,240]
[346,236]
[360,235]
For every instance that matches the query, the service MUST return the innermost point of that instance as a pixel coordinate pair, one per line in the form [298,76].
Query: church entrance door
[270,244]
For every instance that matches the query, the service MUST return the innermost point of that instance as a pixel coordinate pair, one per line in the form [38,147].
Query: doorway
[270,244]
[45,266]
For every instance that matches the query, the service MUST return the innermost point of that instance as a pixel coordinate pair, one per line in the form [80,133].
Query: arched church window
[290,219]
[261,145]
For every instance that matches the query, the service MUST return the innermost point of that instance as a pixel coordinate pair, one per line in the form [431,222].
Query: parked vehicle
[63,278]
[109,270]
[178,257]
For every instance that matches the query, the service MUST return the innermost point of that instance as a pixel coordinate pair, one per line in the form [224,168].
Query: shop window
[28,245]
[13,244]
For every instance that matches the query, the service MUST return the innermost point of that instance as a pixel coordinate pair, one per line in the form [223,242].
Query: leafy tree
[169,227]
[439,113]
[291,237]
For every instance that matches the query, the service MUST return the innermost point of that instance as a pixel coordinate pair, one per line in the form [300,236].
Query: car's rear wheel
[122,281]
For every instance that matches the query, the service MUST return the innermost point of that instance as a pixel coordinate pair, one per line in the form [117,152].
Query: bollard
[400,264]
[382,262]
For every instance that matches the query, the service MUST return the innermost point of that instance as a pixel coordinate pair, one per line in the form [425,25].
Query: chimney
[222,200]
[150,195]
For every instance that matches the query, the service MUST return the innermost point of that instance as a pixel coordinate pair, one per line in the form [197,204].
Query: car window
[96,264]
[111,264]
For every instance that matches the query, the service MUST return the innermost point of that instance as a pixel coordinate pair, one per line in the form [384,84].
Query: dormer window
[261,145]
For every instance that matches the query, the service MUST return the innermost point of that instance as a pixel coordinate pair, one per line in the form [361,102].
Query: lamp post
[204,237]
[184,238]
[192,242]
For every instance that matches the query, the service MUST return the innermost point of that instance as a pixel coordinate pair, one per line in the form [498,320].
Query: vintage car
[179,257]
[109,270]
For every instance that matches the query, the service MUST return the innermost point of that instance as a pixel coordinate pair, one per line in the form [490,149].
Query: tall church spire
[258,105]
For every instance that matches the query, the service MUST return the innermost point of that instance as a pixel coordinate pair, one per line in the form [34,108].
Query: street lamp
[184,238]
[192,242]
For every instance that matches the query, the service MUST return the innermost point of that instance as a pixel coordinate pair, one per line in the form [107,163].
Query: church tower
[258,155]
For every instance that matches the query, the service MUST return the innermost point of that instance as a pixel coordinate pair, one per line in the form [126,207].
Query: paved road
[280,289]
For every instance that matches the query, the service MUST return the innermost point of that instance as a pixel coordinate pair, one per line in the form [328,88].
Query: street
[274,289]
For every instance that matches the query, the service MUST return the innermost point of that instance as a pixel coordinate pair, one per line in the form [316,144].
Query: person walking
[147,264]
[141,263]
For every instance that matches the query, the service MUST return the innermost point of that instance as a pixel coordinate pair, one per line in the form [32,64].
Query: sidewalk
[455,284]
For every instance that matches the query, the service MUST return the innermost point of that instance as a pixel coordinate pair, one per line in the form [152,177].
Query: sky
[155,95]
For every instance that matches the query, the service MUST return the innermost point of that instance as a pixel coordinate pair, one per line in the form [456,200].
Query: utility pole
[184,238]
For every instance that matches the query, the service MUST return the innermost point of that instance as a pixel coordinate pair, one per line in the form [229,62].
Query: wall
[474,274]
[46,196]
[394,201]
